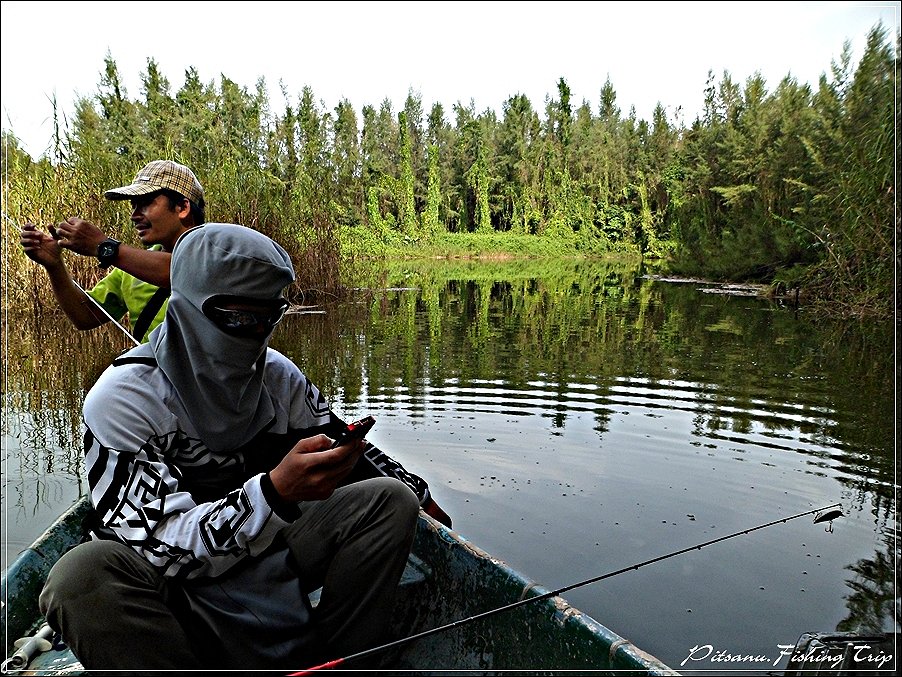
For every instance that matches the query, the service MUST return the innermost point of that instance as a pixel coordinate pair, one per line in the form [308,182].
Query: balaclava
[219,377]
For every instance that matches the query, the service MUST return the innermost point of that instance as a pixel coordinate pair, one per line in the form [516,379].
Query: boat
[447,581]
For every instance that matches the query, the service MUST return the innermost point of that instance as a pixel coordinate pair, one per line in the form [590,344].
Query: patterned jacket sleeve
[377,463]
[139,495]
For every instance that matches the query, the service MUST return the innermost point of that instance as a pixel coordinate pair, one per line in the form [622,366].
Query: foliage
[762,183]
[797,181]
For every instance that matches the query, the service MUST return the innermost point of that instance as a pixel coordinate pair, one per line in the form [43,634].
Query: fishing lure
[828,515]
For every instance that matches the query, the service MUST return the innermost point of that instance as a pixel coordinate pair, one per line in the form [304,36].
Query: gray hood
[219,378]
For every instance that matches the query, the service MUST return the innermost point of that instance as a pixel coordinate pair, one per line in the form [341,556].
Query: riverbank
[796,287]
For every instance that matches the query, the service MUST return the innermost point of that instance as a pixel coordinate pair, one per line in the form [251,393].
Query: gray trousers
[116,612]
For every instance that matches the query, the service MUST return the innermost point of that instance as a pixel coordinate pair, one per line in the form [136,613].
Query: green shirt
[120,293]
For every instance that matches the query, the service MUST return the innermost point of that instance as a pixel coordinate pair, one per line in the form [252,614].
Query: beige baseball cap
[158,175]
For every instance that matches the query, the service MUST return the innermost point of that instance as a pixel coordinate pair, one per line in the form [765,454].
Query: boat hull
[548,634]
[447,580]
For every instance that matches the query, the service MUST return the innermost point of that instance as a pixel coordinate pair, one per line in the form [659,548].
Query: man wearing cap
[166,199]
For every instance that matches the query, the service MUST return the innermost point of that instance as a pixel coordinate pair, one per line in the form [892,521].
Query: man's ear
[184,209]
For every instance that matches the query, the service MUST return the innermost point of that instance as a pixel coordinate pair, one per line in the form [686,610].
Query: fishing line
[825,514]
[95,303]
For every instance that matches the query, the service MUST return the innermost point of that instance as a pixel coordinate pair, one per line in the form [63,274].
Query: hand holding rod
[95,305]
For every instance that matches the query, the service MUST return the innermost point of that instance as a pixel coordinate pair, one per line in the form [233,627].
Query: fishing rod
[825,514]
[109,317]
[94,302]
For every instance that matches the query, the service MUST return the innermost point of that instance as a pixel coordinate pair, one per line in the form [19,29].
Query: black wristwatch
[107,251]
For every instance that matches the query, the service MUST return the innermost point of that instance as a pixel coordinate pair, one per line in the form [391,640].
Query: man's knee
[73,571]
[403,502]
[88,569]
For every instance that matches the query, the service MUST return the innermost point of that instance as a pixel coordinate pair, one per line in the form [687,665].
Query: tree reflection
[588,333]
[873,602]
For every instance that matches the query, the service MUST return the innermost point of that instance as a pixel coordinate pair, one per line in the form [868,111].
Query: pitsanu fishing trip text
[861,654]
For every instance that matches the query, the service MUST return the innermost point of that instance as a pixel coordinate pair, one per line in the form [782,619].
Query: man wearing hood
[219,504]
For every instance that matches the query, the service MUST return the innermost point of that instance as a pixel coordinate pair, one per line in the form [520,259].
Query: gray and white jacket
[192,512]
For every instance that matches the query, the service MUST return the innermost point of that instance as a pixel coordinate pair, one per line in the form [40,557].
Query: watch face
[107,251]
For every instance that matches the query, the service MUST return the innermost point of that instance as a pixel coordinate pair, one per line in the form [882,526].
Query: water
[577,419]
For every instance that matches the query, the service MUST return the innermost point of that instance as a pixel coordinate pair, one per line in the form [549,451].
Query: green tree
[440,134]
[519,138]
[407,217]
[431,224]
[413,111]
[346,161]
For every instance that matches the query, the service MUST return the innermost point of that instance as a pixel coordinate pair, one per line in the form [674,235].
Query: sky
[446,52]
